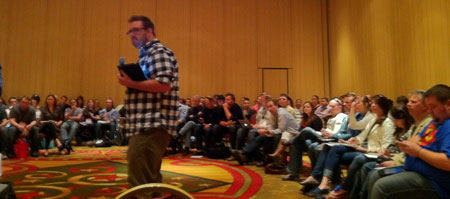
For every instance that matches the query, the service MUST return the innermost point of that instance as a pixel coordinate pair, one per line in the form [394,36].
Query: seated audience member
[3,103]
[108,120]
[315,101]
[90,118]
[12,101]
[69,128]
[97,105]
[188,102]
[286,124]
[23,125]
[80,102]
[51,120]
[35,100]
[248,114]
[219,100]
[284,101]
[359,115]
[401,100]
[322,110]
[231,114]
[347,101]
[191,122]
[310,120]
[63,103]
[265,121]
[3,133]
[299,105]
[377,135]
[427,162]
[209,128]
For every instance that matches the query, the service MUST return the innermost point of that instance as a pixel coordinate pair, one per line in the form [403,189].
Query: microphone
[122,61]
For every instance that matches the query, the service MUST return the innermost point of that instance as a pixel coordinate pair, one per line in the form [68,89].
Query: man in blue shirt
[427,156]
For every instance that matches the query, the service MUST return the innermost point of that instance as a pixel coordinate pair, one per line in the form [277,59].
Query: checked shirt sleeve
[163,67]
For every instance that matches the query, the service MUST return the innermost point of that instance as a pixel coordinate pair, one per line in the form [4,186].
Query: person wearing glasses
[151,105]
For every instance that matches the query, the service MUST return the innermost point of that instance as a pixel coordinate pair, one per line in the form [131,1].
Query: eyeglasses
[134,30]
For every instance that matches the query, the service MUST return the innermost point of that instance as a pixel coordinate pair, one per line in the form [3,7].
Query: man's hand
[21,127]
[28,127]
[263,132]
[326,134]
[409,148]
[123,78]
[225,105]
[387,163]
[206,126]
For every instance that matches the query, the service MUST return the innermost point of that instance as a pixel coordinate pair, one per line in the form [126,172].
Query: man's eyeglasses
[134,30]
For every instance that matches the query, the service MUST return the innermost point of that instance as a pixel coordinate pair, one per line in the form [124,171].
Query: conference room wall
[72,47]
[389,47]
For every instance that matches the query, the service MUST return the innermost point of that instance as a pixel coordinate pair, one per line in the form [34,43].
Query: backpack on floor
[218,151]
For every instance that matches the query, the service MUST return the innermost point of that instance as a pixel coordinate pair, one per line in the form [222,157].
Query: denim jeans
[68,130]
[299,145]
[408,185]
[187,131]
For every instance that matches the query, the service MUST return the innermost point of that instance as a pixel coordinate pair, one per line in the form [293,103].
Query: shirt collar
[143,49]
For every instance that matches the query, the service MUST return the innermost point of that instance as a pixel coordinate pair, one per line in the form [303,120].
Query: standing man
[151,105]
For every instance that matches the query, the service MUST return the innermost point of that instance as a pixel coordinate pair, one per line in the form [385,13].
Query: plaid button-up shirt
[152,110]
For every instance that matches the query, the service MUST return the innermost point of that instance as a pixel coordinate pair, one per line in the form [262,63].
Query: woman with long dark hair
[309,121]
[51,120]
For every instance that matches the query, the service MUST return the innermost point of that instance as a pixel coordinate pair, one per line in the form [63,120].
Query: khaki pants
[145,153]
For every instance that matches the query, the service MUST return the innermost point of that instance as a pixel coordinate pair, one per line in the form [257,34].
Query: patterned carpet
[96,173]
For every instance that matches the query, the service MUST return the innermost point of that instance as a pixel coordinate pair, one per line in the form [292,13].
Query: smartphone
[391,170]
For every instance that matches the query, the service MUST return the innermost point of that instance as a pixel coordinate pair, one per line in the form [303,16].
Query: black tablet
[133,71]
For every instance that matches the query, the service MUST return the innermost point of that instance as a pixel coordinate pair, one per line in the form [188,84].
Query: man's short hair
[316,96]
[24,97]
[11,98]
[325,98]
[275,101]
[246,99]
[231,95]
[420,93]
[146,22]
[440,91]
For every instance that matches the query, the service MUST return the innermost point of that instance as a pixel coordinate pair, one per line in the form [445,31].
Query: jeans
[299,145]
[68,130]
[3,140]
[330,158]
[406,184]
[13,135]
[100,127]
[186,132]
[232,129]
[210,134]
[242,134]
[252,148]
[352,182]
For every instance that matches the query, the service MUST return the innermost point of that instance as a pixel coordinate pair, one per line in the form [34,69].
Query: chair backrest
[155,188]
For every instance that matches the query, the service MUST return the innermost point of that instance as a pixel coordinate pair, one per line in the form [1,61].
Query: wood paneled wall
[72,47]
[389,47]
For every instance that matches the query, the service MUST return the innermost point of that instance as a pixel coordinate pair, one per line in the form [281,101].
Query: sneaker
[290,177]
[317,192]
[240,157]
[231,158]
[4,156]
